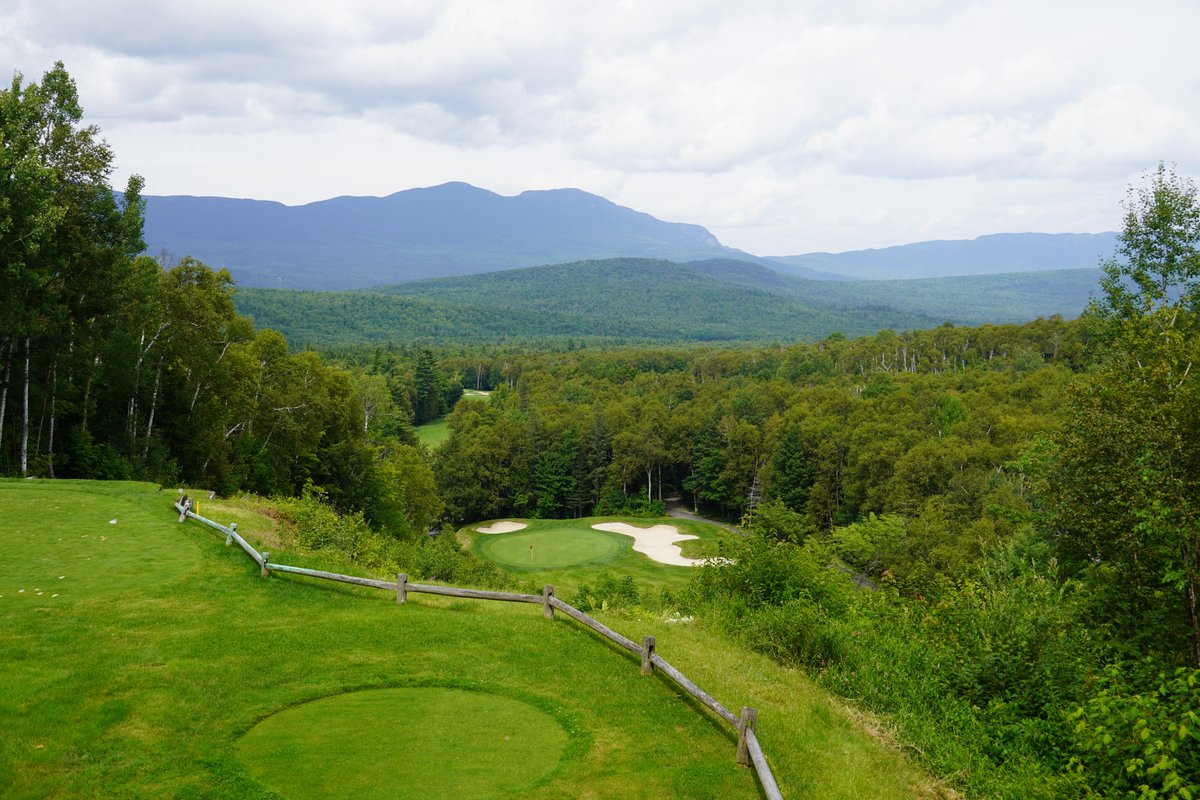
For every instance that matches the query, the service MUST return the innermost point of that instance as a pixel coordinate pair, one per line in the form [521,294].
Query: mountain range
[452,229]
[457,229]
[985,255]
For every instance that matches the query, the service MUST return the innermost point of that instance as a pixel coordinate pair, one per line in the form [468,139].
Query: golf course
[433,433]
[142,658]
[570,553]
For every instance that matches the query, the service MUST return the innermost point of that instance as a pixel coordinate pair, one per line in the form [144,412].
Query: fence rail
[749,750]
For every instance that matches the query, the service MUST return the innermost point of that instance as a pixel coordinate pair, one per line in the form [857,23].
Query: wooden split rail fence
[749,751]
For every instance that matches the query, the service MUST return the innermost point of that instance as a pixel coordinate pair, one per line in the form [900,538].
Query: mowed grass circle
[418,742]
[549,548]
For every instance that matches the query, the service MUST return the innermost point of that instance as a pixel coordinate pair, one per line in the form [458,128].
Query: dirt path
[677,510]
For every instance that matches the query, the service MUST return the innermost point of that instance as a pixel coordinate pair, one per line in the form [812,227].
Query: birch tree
[65,240]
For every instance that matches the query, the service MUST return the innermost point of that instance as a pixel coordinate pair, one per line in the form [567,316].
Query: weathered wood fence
[749,750]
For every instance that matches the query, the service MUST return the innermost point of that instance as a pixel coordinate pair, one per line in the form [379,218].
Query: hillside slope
[640,300]
[628,300]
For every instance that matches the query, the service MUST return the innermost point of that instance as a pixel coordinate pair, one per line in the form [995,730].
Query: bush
[615,503]
[608,593]
[318,527]
[1139,744]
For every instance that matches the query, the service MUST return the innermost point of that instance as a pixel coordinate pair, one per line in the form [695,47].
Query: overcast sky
[782,127]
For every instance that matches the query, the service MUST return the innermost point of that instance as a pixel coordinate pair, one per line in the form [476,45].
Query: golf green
[550,548]
[416,742]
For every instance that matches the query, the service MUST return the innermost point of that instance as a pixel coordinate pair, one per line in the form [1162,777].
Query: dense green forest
[632,301]
[1016,503]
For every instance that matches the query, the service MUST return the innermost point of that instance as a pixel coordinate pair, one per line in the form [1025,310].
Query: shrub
[609,592]
[1139,744]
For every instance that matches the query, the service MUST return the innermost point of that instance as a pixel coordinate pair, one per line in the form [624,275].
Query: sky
[783,127]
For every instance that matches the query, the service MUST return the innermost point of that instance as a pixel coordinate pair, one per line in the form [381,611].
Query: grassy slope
[140,681]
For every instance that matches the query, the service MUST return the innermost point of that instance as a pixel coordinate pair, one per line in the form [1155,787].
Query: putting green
[405,743]
[74,541]
[549,548]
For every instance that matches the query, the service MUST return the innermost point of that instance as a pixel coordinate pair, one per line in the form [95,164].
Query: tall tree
[65,241]
[1125,482]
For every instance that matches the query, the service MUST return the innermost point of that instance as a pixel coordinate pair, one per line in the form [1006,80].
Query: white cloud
[781,125]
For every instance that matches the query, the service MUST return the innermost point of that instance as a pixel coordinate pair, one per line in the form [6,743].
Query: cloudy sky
[783,127]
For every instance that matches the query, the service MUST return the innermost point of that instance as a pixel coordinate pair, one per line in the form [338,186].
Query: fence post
[229,536]
[547,609]
[647,655]
[401,588]
[185,506]
[266,558]
[747,722]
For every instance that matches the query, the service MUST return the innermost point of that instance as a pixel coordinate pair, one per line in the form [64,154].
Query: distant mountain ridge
[984,255]
[456,229]
[447,230]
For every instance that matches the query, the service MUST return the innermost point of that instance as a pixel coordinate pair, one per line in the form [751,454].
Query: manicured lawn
[550,547]
[432,434]
[166,667]
[568,553]
[430,737]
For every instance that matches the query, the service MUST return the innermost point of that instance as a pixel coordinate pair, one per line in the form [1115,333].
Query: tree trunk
[649,484]
[25,417]
[1194,619]
[153,408]
[53,410]
[87,391]
[1190,597]
[4,391]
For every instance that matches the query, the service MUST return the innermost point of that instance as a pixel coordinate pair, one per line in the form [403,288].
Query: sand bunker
[507,526]
[657,542]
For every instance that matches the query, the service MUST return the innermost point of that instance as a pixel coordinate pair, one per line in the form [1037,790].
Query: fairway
[405,744]
[432,434]
[550,548]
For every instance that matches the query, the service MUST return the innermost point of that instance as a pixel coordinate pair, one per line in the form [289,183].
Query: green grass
[432,434]
[78,540]
[157,676]
[370,745]
[550,547]
[569,553]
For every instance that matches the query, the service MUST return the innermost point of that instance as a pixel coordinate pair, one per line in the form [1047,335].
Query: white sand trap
[657,542]
[507,526]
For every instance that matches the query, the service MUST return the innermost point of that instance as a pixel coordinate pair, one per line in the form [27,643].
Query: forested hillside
[639,300]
